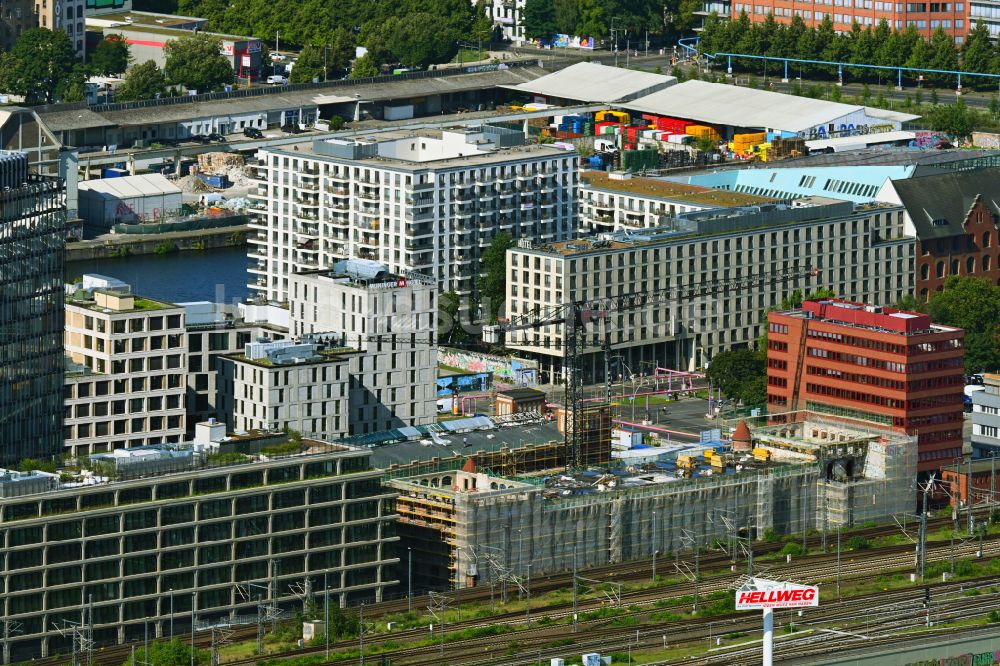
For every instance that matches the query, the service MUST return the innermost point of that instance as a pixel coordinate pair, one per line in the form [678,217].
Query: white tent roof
[591,82]
[736,106]
[843,143]
[130,187]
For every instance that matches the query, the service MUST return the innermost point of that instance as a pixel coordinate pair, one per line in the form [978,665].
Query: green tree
[492,283]
[110,56]
[977,51]
[174,652]
[195,62]
[309,66]
[419,40]
[741,374]
[451,317]
[73,87]
[363,68]
[482,25]
[942,55]
[539,17]
[956,119]
[974,305]
[143,81]
[907,302]
[40,65]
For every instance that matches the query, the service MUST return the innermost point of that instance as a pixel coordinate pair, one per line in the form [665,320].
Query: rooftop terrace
[665,189]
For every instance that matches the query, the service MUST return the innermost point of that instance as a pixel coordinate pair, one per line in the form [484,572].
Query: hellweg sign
[758,593]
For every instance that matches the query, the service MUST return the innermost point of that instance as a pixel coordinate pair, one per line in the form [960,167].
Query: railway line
[717,574]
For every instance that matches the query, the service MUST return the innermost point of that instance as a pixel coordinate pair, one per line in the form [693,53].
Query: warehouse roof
[938,205]
[841,143]
[665,189]
[58,117]
[736,106]
[129,187]
[592,82]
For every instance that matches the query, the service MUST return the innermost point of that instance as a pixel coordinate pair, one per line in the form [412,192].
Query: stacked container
[703,132]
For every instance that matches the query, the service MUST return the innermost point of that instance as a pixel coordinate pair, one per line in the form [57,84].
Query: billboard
[759,593]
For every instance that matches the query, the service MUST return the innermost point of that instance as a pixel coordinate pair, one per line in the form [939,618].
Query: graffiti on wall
[971,659]
[927,139]
[504,369]
[986,140]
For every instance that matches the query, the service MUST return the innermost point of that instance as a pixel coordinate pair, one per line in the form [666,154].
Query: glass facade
[32,256]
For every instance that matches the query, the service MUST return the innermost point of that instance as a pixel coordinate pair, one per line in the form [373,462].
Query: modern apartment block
[925,17]
[65,15]
[16,17]
[391,319]
[172,533]
[286,384]
[986,418]
[858,251]
[879,364]
[508,14]
[32,256]
[131,388]
[215,330]
[428,202]
[618,201]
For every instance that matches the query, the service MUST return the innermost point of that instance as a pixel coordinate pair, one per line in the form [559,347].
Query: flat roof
[126,187]
[862,141]
[517,154]
[736,106]
[140,304]
[58,117]
[403,453]
[135,18]
[665,189]
[593,82]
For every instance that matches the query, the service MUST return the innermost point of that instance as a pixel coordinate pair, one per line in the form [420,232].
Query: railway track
[715,567]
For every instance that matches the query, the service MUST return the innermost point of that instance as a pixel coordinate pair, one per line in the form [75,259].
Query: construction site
[504,516]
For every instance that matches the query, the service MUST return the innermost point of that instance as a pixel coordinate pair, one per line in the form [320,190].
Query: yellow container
[761,454]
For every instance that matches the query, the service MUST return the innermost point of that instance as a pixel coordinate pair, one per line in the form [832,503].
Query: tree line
[407,32]
[880,45]
[593,18]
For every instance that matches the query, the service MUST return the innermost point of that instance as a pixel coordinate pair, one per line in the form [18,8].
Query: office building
[858,251]
[65,15]
[287,385]
[986,418]
[391,319]
[874,363]
[32,255]
[618,201]
[924,17]
[169,533]
[129,389]
[428,202]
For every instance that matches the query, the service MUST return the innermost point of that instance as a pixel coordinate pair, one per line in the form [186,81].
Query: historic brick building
[873,363]
[954,217]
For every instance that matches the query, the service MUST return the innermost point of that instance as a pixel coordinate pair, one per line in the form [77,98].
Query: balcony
[414,244]
[421,216]
[365,253]
[260,268]
[307,186]
[338,191]
[423,186]
[370,224]
[307,230]
[368,240]
[369,194]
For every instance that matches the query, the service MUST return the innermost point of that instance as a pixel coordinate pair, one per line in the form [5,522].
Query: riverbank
[126,245]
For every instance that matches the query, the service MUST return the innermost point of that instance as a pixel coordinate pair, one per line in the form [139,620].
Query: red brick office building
[873,363]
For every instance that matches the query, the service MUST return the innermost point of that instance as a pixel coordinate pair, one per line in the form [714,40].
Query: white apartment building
[509,15]
[130,377]
[428,202]
[391,319]
[860,252]
[272,386]
[618,201]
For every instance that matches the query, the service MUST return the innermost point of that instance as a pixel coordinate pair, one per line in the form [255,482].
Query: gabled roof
[939,204]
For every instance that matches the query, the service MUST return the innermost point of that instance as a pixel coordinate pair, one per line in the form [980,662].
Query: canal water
[218,275]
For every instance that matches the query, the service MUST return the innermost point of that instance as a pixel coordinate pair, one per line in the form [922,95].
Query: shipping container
[113,172]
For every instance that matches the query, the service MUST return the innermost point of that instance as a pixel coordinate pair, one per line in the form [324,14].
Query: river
[215,275]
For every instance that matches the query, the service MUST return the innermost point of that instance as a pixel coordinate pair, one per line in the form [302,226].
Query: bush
[993,617]
[858,543]
[793,548]
[164,248]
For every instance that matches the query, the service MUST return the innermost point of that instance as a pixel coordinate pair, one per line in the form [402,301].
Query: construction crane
[576,316]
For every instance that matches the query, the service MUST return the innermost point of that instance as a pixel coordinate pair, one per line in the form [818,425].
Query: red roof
[742,433]
[469,466]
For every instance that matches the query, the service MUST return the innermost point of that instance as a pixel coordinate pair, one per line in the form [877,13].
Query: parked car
[277,80]
[215,136]
[253,133]
[201,138]
[292,128]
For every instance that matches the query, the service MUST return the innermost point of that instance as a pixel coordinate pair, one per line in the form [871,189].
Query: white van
[277,80]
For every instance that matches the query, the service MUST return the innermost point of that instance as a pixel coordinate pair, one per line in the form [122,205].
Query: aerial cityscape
[499,332]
